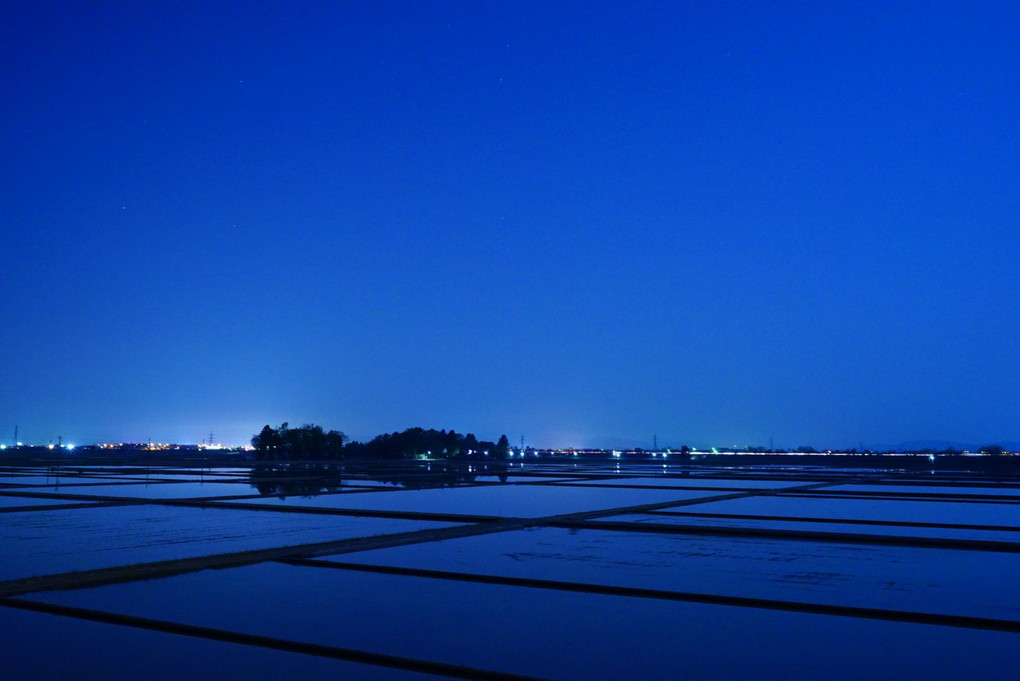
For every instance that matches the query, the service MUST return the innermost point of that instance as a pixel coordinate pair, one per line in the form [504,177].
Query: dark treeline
[434,444]
[310,442]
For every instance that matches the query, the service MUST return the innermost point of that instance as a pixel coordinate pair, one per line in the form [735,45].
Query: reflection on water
[429,474]
[287,479]
[506,583]
[296,480]
[550,633]
[53,541]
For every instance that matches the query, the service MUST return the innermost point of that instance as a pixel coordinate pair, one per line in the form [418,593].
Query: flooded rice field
[537,570]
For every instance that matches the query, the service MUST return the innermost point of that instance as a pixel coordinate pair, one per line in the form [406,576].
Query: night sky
[582,222]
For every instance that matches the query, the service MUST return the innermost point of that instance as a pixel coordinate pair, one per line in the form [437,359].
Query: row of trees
[310,442]
[431,443]
[306,442]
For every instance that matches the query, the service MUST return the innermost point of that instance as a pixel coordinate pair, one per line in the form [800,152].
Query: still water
[522,584]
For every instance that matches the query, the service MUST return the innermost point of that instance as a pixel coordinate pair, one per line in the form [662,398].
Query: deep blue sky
[583,222]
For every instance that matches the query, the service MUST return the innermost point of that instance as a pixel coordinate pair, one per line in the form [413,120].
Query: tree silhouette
[288,444]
